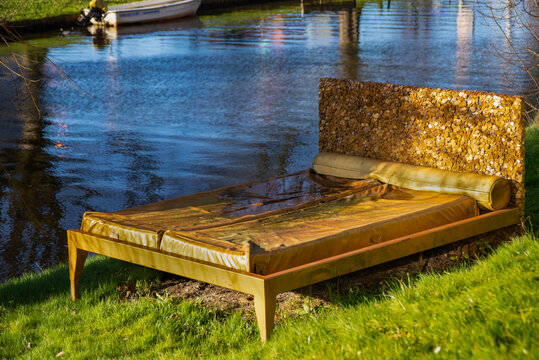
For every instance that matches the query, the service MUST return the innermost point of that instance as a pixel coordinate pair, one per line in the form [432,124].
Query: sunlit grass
[18,10]
[486,311]
[39,320]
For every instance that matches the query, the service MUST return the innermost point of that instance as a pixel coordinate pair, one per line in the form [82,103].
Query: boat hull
[149,14]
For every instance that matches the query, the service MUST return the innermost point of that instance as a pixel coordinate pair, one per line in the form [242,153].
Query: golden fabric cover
[275,224]
[285,240]
[492,193]
[145,224]
[104,224]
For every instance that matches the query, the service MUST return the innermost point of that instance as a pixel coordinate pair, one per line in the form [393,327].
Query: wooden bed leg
[265,302]
[77,257]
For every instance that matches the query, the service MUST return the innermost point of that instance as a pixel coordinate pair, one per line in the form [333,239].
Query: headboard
[465,131]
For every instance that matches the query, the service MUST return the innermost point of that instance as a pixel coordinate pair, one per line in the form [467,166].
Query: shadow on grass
[33,288]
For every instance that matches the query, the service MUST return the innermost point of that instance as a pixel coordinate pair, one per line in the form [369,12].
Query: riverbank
[36,15]
[486,309]
[40,15]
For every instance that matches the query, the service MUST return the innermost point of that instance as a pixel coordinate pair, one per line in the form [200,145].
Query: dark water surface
[200,103]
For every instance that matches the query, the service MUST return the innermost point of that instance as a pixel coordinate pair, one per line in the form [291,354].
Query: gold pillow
[491,192]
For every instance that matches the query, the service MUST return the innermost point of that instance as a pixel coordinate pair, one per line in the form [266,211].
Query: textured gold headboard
[465,131]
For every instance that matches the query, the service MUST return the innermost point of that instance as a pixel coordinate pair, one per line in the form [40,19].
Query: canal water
[145,113]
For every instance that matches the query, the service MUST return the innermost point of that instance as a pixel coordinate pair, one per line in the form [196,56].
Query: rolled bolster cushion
[491,192]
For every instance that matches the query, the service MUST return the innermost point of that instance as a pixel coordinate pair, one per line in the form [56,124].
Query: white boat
[149,10]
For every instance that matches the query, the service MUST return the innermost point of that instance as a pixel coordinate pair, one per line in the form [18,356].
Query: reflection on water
[465,26]
[204,102]
[30,214]
[102,36]
[349,41]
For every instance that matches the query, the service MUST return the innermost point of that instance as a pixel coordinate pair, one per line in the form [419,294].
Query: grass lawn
[486,310]
[18,10]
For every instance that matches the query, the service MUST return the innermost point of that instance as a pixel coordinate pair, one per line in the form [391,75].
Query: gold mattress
[279,223]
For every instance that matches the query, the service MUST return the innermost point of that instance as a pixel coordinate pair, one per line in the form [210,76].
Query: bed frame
[347,107]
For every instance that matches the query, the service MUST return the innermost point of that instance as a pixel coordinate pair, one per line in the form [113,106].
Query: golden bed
[347,213]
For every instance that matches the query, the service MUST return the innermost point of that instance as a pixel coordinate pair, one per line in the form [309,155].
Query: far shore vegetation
[487,309]
[26,10]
